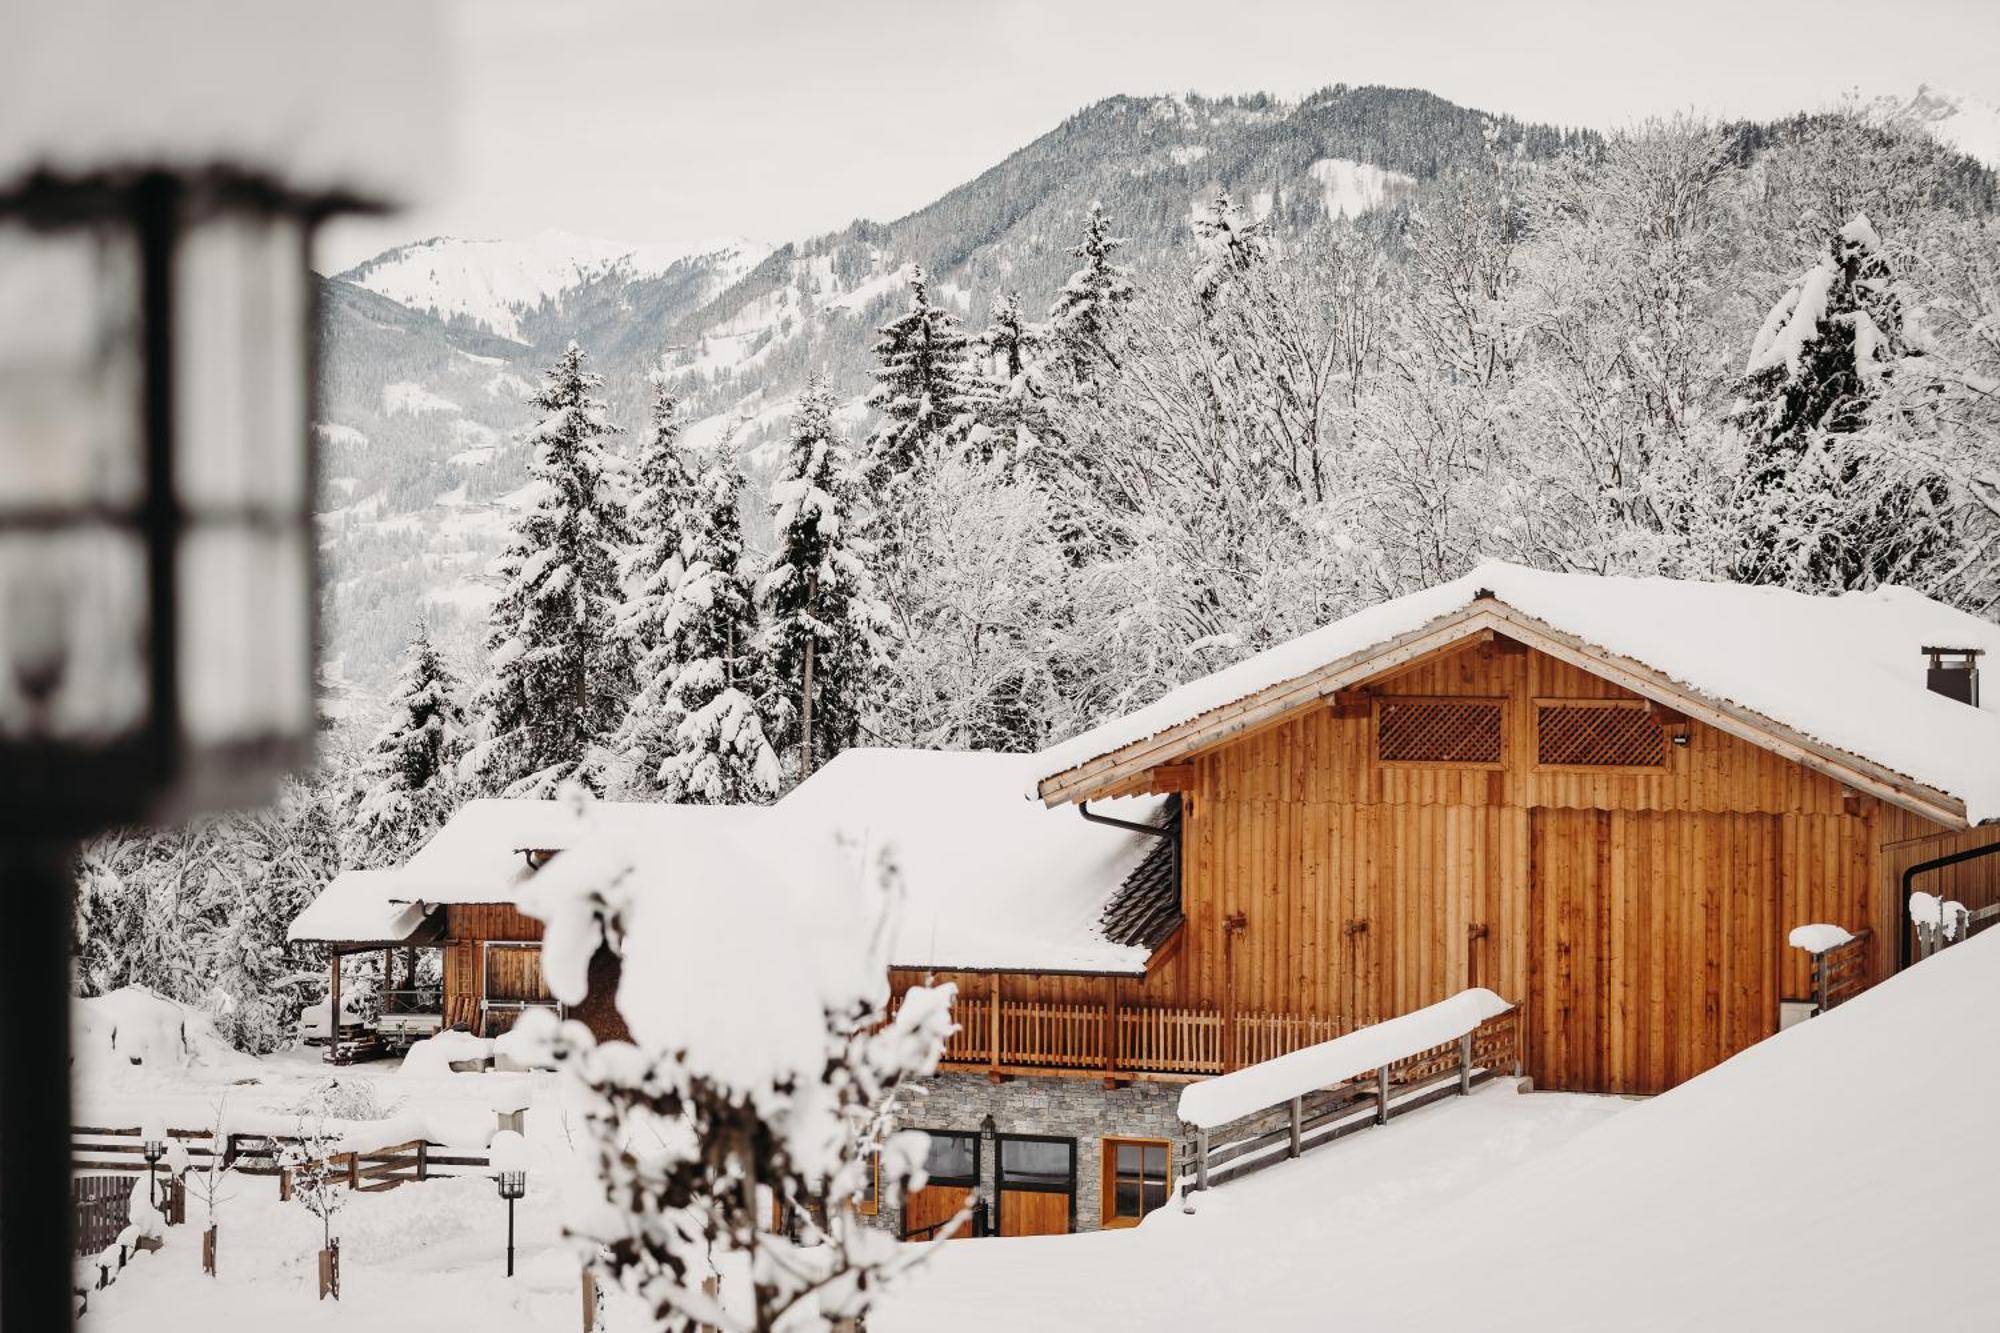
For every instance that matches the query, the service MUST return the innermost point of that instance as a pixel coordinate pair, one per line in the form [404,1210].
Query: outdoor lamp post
[155,1136]
[508,1155]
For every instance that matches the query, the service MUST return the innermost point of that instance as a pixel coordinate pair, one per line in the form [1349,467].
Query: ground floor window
[1137,1173]
[1036,1181]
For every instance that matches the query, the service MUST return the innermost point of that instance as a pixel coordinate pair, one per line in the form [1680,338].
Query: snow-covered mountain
[494,284]
[1965,123]
[432,348]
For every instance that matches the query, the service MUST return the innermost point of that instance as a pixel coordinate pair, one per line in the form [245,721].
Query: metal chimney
[1954,673]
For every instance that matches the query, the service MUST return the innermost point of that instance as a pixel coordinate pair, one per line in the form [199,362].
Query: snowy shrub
[744,1086]
[345,1099]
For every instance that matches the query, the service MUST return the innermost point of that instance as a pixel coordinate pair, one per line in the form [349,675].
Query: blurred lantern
[156,594]
[162,169]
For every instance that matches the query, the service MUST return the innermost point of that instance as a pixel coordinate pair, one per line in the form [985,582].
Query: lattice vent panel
[1439,731]
[1599,737]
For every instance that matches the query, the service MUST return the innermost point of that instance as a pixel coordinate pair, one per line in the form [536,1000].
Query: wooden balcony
[1001,1036]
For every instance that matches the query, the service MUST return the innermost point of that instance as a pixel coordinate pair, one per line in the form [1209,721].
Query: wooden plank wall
[1367,890]
[465,925]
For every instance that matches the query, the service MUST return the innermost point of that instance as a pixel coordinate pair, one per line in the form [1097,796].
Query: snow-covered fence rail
[94,1148]
[1273,1111]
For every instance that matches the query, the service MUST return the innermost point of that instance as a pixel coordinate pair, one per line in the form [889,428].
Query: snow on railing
[1839,961]
[1274,1082]
[1280,1108]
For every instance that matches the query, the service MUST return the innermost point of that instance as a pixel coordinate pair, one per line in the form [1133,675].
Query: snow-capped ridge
[493,283]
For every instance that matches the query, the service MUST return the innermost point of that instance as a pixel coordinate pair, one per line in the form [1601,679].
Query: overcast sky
[650,121]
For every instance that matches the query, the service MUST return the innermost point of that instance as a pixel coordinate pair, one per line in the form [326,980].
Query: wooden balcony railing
[1001,1035]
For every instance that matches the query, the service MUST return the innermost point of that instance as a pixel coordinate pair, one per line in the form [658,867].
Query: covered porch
[356,917]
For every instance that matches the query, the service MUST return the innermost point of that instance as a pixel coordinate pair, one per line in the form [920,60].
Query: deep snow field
[428,1257]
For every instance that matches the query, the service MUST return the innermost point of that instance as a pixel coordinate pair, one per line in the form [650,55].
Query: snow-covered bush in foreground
[744,1086]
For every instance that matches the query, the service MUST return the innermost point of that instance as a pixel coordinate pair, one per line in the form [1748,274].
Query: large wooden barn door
[1655,945]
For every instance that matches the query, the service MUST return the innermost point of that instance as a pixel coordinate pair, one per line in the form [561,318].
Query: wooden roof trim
[1233,720]
[1746,724]
[1490,615]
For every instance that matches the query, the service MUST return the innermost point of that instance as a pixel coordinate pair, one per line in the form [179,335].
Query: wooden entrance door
[1655,945]
[951,1166]
[1036,1179]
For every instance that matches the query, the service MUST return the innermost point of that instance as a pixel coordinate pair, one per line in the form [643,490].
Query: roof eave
[1093,777]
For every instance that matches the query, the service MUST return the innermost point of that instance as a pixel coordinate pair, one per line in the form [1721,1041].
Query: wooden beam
[1272,705]
[1171,778]
[1244,716]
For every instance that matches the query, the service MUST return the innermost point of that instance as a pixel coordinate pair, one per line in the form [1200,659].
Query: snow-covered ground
[1836,1176]
[1279,1233]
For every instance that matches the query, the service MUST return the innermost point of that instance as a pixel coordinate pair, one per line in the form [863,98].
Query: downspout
[1910,886]
[1151,830]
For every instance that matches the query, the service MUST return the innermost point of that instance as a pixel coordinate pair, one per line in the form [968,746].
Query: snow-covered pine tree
[1822,501]
[818,595]
[1230,244]
[560,670]
[924,391]
[664,512]
[721,755]
[1014,406]
[1084,319]
[409,775]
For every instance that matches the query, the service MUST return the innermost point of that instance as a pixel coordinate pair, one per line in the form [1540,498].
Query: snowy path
[1258,1234]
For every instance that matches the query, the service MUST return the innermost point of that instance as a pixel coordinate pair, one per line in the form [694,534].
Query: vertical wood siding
[1649,908]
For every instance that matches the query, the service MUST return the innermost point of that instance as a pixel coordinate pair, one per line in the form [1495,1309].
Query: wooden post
[589,1301]
[208,1250]
[329,1271]
[1382,1094]
[1298,1110]
[423,1159]
[1465,1064]
[1201,1159]
[993,1034]
[333,1008]
[1111,1034]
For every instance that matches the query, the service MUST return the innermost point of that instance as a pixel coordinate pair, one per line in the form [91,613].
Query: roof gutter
[1171,832]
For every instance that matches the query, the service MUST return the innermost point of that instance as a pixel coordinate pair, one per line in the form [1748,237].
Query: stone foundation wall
[1082,1109]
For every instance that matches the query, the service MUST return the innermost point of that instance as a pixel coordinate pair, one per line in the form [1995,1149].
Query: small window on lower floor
[952,1158]
[1137,1176]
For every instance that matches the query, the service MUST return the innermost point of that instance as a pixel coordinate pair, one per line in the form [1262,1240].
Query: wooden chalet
[1609,799]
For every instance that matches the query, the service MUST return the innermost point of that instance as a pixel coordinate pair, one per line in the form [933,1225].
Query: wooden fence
[98,1149]
[1282,1131]
[102,1205]
[1030,1036]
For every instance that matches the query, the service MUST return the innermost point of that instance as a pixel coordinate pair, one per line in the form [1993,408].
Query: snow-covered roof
[991,882]
[1846,671]
[358,907]
[318,98]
